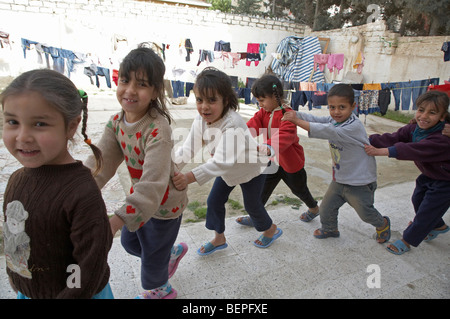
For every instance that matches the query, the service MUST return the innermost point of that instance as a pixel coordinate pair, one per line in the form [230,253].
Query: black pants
[295,181]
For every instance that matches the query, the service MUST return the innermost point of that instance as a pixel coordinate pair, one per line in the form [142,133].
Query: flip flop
[173,265]
[245,220]
[325,234]
[434,233]
[210,248]
[401,247]
[266,241]
[385,233]
[308,216]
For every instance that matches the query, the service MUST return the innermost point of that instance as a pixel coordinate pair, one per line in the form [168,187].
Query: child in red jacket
[282,143]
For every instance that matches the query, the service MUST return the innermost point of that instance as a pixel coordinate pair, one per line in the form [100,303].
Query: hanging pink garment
[336,62]
[320,60]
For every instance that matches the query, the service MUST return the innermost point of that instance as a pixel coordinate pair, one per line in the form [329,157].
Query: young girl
[424,144]
[57,235]
[141,135]
[234,159]
[280,136]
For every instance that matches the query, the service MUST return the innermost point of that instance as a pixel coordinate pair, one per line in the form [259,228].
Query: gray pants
[361,198]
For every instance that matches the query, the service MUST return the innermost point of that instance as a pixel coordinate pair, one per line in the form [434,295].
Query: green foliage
[221,5]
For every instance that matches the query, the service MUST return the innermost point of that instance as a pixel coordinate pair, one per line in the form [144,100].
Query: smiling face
[135,94]
[209,106]
[428,115]
[34,132]
[340,108]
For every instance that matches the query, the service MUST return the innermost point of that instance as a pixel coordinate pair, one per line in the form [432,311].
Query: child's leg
[215,213]
[251,192]
[329,208]
[271,181]
[156,237]
[361,198]
[297,182]
[431,201]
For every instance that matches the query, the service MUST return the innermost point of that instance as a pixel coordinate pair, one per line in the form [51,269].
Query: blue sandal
[266,241]
[401,247]
[210,248]
[245,220]
[434,233]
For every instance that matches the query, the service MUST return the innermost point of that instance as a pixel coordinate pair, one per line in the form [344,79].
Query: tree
[250,7]
[221,5]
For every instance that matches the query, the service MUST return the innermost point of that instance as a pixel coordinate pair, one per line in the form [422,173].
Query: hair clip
[274,86]
[88,141]
[82,94]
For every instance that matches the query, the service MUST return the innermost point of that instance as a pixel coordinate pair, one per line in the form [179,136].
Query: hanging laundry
[230,59]
[253,54]
[262,50]
[205,55]
[335,62]
[359,62]
[371,86]
[320,60]
[296,61]
[222,46]
[446,49]
[4,39]
[384,99]
[189,49]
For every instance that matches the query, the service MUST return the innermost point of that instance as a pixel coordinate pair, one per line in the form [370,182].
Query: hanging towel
[359,62]
[372,86]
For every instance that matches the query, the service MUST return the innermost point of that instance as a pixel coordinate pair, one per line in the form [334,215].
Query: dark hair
[439,99]
[211,81]
[342,90]
[60,92]
[145,62]
[268,85]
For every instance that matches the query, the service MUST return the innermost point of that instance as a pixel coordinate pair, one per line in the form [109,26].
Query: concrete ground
[297,265]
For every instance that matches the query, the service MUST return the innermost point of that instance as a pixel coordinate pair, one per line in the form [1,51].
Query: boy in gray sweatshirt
[354,172]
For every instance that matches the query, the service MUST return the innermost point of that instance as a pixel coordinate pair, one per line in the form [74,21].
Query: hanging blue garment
[296,60]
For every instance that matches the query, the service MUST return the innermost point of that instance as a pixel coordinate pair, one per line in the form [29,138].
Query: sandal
[385,233]
[308,216]
[210,248]
[325,234]
[434,233]
[173,264]
[401,247]
[266,241]
[245,220]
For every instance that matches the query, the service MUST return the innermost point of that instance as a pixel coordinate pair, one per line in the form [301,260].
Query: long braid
[97,152]
[277,96]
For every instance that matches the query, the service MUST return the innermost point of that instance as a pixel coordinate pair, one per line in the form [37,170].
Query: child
[141,135]
[57,235]
[234,159]
[282,137]
[423,143]
[354,173]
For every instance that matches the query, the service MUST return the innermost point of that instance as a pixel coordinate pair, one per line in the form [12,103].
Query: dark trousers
[152,243]
[431,201]
[295,181]
[251,191]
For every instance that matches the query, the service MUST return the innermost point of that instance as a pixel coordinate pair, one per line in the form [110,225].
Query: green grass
[397,116]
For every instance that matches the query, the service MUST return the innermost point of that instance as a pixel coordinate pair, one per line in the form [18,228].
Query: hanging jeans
[396,91]
[103,72]
[178,88]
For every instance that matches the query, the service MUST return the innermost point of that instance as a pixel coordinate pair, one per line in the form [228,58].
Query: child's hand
[289,116]
[446,130]
[264,150]
[373,151]
[180,181]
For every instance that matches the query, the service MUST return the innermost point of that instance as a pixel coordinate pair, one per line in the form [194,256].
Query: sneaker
[176,255]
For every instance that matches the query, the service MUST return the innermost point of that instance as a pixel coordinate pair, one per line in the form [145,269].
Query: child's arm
[181,181]
[373,151]
[292,117]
